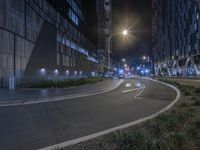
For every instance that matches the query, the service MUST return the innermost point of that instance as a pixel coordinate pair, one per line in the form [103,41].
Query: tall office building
[104,10]
[44,39]
[176,37]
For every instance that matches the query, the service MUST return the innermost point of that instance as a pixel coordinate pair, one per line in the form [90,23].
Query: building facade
[43,39]
[176,37]
[104,10]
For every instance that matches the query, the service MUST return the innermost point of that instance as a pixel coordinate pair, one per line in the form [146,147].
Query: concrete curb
[59,98]
[92,136]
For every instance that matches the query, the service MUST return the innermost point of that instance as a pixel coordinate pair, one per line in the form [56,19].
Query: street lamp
[144,57]
[123,60]
[125,32]
[149,60]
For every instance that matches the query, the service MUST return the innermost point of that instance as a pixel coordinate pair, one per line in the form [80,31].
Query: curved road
[40,125]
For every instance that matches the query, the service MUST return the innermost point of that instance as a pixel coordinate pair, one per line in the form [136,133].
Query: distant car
[121,76]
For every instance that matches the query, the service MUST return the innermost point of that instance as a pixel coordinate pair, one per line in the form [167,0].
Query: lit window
[195,26]
[73,17]
[189,48]
[196,46]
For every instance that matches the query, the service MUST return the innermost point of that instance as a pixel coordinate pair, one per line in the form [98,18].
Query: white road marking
[128,85]
[127,125]
[130,90]
[138,84]
[142,89]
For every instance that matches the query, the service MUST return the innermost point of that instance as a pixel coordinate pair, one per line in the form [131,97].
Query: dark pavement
[35,126]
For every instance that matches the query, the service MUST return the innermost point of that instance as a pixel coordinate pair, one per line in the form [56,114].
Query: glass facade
[176,37]
[26,29]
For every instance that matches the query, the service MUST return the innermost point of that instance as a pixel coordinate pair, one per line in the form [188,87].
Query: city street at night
[99,74]
[44,124]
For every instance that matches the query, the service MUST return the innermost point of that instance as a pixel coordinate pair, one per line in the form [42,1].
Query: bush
[194,98]
[193,129]
[133,140]
[197,90]
[66,83]
[187,93]
[176,140]
[183,105]
[197,103]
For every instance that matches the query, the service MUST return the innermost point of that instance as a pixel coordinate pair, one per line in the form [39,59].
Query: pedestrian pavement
[25,95]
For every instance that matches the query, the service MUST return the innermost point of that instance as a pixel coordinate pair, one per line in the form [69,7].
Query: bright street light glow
[42,71]
[147,70]
[123,59]
[121,71]
[144,57]
[56,71]
[125,32]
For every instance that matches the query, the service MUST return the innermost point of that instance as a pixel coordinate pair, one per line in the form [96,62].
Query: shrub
[197,102]
[133,140]
[66,83]
[193,129]
[155,144]
[176,140]
[197,90]
[187,93]
[194,98]
[183,105]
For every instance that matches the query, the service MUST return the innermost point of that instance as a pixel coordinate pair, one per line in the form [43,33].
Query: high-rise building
[104,10]
[176,37]
[44,39]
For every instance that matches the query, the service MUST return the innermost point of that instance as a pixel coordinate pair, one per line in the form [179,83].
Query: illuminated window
[73,17]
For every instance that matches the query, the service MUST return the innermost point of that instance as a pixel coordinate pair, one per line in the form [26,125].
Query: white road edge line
[130,90]
[92,136]
[58,98]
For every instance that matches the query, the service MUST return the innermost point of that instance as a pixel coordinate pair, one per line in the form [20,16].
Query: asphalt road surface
[36,126]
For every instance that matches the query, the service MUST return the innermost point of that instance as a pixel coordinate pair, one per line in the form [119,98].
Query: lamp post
[150,61]
[124,33]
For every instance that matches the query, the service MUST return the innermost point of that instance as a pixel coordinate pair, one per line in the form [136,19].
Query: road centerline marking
[130,90]
[128,85]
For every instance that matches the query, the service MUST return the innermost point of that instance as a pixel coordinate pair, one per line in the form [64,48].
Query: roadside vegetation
[66,83]
[177,129]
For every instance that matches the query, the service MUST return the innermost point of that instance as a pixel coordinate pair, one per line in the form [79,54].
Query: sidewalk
[30,96]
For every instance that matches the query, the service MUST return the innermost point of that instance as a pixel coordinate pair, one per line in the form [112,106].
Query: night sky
[136,15]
